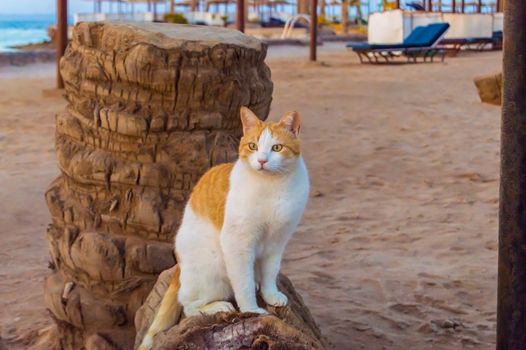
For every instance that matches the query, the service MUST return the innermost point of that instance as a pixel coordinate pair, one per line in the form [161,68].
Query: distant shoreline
[28,53]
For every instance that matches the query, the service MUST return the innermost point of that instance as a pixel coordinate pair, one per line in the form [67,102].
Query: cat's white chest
[275,204]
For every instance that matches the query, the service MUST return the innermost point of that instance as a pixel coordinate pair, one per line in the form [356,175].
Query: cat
[236,225]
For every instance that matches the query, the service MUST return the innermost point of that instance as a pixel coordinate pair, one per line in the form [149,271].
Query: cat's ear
[291,122]
[248,119]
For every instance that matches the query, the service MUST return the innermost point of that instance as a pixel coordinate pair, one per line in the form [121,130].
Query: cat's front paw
[275,298]
[256,310]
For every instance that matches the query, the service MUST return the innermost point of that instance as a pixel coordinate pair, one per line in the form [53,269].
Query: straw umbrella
[217,3]
[151,3]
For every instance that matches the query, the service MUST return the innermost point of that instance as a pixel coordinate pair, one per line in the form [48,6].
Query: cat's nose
[262,162]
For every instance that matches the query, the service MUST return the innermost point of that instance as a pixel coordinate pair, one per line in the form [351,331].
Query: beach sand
[397,249]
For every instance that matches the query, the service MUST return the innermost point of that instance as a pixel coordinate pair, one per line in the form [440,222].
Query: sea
[23,29]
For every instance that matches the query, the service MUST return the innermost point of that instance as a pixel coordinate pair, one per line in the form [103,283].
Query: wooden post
[479,6]
[240,15]
[463,6]
[245,8]
[61,36]
[322,7]
[499,6]
[430,5]
[303,6]
[511,297]
[453,6]
[345,16]
[397,4]
[313,29]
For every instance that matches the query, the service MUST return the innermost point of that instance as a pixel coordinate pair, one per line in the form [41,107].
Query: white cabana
[124,11]
[391,27]
[100,16]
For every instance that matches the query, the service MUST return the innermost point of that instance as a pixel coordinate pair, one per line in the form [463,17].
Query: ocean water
[23,29]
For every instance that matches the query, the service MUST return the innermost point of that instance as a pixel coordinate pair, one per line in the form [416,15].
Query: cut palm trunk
[291,327]
[489,88]
[150,108]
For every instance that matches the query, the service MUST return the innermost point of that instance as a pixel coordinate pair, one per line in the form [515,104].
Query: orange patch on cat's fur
[209,195]
[252,135]
[290,142]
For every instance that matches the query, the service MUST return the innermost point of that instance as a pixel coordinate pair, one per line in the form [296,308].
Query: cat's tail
[168,313]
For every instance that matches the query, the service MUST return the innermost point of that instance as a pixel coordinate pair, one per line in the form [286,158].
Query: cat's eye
[277,148]
[252,146]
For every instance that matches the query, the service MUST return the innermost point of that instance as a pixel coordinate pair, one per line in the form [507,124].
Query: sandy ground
[397,249]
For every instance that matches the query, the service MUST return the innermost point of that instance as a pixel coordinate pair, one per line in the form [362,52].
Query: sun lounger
[477,44]
[421,42]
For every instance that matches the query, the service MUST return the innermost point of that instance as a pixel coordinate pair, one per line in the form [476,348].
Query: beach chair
[476,44]
[421,42]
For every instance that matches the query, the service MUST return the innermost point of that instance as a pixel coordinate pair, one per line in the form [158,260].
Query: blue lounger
[478,44]
[421,42]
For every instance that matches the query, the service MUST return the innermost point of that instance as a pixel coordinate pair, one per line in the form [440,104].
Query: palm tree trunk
[134,139]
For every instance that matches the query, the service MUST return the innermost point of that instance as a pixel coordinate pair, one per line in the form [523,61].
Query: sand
[397,248]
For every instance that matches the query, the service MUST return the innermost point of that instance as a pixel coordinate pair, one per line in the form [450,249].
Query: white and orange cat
[236,225]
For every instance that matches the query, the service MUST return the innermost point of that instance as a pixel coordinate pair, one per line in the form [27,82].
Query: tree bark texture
[287,328]
[150,108]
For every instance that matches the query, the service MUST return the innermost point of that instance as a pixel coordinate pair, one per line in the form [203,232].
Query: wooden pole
[453,6]
[313,29]
[397,4]
[322,7]
[463,6]
[61,39]
[240,15]
[245,8]
[511,296]
[479,6]
[430,5]
[345,16]
[303,6]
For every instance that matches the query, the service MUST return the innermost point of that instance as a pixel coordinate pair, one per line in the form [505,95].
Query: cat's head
[270,148]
